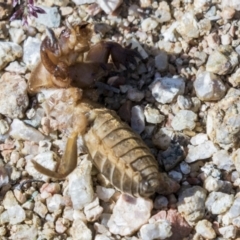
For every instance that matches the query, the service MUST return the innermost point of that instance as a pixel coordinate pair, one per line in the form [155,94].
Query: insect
[116,151]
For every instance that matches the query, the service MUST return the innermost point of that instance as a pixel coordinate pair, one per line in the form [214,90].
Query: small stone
[13,95]
[4,126]
[223,160]
[51,18]
[16,214]
[62,225]
[162,138]
[234,79]
[218,202]
[65,11]
[31,52]
[153,115]
[80,2]
[165,90]
[201,151]
[209,87]
[233,4]
[109,6]
[123,223]
[55,202]
[93,210]
[149,24]
[145,3]
[9,52]
[135,95]
[17,35]
[158,230]
[185,168]
[212,184]
[79,230]
[188,26]
[228,13]
[177,176]
[40,209]
[204,228]
[104,193]
[16,67]
[222,60]
[179,227]
[234,211]
[228,232]
[160,202]
[191,204]
[163,12]
[137,119]
[3,30]
[161,61]
[9,200]
[199,139]
[172,156]
[24,231]
[19,130]
[184,103]
[80,185]
[184,119]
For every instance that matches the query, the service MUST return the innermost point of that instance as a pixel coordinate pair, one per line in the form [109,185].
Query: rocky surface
[182,98]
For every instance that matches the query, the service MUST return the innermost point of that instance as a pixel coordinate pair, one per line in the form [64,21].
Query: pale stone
[16,214]
[212,184]
[218,202]
[222,60]
[231,3]
[51,18]
[80,2]
[17,35]
[191,204]
[228,232]
[201,151]
[209,87]
[165,90]
[149,24]
[93,210]
[109,6]
[13,95]
[9,52]
[31,52]
[153,115]
[79,230]
[223,160]
[40,209]
[162,137]
[184,102]
[199,139]
[80,185]
[104,193]
[158,230]
[123,223]
[136,45]
[188,26]
[55,202]
[9,200]
[16,67]
[204,228]
[234,211]
[184,119]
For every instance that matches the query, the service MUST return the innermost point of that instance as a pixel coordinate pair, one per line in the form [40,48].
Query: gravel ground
[182,97]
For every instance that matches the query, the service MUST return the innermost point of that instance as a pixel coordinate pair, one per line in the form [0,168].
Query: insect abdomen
[121,155]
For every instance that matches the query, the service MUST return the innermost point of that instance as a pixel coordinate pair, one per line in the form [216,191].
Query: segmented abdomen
[121,155]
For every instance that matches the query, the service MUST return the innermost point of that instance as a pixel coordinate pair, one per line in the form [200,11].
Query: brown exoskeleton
[63,63]
[116,151]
